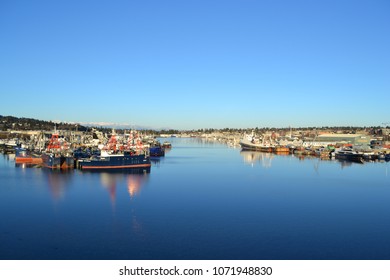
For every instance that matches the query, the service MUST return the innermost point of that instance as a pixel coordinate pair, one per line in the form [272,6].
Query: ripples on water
[201,201]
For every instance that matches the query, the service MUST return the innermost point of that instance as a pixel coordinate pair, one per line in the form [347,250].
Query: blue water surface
[203,200]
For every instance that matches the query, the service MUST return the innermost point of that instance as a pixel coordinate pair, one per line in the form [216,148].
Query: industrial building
[354,139]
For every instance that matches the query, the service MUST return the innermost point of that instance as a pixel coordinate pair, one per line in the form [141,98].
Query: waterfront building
[354,139]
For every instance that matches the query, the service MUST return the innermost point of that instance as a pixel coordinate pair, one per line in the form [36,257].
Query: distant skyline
[197,64]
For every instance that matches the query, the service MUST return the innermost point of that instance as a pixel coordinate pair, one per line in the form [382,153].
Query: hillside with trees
[14,123]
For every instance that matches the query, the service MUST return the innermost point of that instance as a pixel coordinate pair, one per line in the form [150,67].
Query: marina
[202,200]
[67,149]
[195,138]
[249,194]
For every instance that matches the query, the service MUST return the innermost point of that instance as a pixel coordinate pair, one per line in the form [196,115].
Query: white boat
[253,143]
[250,145]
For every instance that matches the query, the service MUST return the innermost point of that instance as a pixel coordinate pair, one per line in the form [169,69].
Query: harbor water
[203,200]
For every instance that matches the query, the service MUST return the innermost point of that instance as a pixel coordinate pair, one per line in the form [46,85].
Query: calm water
[202,201]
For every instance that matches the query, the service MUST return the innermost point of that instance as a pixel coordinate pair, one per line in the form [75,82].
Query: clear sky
[190,64]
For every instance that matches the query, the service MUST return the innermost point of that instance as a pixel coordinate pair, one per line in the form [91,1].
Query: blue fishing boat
[114,161]
[157,151]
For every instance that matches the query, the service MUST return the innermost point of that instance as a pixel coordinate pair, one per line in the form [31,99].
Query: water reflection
[156,161]
[254,157]
[132,181]
[27,165]
[58,181]
[10,157]
[265,159]
[109,182]
[135,183]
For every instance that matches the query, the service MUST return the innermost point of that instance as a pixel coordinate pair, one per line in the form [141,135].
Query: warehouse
[354,139]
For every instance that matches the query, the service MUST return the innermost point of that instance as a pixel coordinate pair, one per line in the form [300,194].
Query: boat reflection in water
[27,165]
[133,179]
[58,181]
[156,161]
[133,182]
[265,159]
[254,157]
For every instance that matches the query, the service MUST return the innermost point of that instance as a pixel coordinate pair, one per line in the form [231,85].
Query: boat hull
[28,160]
[355,157]
[114,162]
[53,161]
[157,151]
[281,150]
[25,156]
[249,146]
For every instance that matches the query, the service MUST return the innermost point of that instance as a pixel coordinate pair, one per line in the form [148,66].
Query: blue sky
[197,64]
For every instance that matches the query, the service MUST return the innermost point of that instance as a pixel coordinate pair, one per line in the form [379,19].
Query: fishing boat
[253,143]
[113,156]
[57,155]
[114,161]
[323,152]
[350,155]
[155,148]
[10,145]
[280,149]
[249,145]
[157,151]
[54,160]
[167,145]
[23,155]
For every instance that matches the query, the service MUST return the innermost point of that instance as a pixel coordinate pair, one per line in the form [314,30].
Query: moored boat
[249,145]
[54,160]
[51,160]
[157,151]
[25,156]
[281,150]
[350,155]
[112,161]
[10,145]
[167,145]
[265,148]
[57,156]
[323,152]
[155,148]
